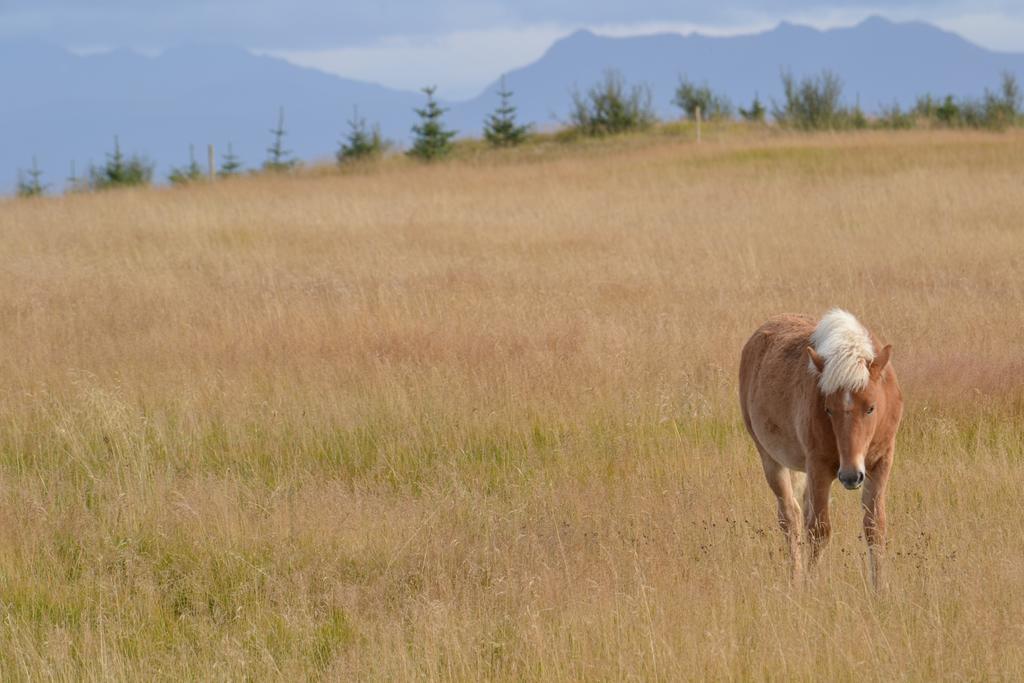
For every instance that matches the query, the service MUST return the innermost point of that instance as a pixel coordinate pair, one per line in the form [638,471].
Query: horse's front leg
[819,528]
[874,515]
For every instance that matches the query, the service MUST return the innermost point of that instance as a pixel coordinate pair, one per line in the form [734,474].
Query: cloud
[322,24]
[995,31]
[265,24]
[460,45]
[461,63]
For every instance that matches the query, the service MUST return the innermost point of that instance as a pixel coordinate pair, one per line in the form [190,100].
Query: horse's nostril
[851,479]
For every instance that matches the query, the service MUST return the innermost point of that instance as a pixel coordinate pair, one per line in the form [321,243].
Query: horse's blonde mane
[846,347]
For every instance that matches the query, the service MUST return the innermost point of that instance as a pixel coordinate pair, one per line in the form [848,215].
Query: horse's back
[775,347]
[772,380]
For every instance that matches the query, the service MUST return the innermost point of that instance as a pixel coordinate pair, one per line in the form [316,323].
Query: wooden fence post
[211,162]
[698,122]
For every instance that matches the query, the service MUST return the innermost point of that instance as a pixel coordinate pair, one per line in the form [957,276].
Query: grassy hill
[477,420]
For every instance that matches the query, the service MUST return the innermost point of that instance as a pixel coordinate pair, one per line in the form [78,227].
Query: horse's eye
[871,410]
[828,411]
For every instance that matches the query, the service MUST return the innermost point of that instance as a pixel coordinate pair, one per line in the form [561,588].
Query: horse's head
[855,415]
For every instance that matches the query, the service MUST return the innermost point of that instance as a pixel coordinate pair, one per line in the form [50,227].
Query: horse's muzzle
[852,479]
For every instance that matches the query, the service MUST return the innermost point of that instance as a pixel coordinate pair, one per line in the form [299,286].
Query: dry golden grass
[477,420]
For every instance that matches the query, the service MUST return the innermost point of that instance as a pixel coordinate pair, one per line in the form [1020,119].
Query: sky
[461,45]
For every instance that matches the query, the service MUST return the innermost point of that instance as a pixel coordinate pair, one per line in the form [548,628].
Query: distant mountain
[879,61]
[62,107]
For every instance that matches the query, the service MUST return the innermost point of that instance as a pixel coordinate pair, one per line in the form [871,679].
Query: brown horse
[821,397]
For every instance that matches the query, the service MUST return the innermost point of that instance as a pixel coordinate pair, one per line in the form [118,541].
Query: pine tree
[30,182]
[120,171]
[948,112]
[500,128]
[232,165]
[74,182]
[756,112]
[116,167]
[433,140]
[279,158]
[360,142]
[187,174]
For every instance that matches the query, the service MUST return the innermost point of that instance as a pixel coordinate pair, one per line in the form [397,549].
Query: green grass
[478,421]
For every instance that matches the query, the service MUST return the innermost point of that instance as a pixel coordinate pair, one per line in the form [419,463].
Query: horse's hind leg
[789,511]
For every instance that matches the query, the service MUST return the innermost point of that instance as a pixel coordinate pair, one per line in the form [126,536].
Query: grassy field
[477,421]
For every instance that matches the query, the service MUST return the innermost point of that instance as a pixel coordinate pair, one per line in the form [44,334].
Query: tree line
[608,107]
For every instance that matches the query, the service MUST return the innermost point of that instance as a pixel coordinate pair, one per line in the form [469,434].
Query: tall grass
[477,420]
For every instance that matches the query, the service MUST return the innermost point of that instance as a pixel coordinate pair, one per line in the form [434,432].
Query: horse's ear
[881,360]
[816,360]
